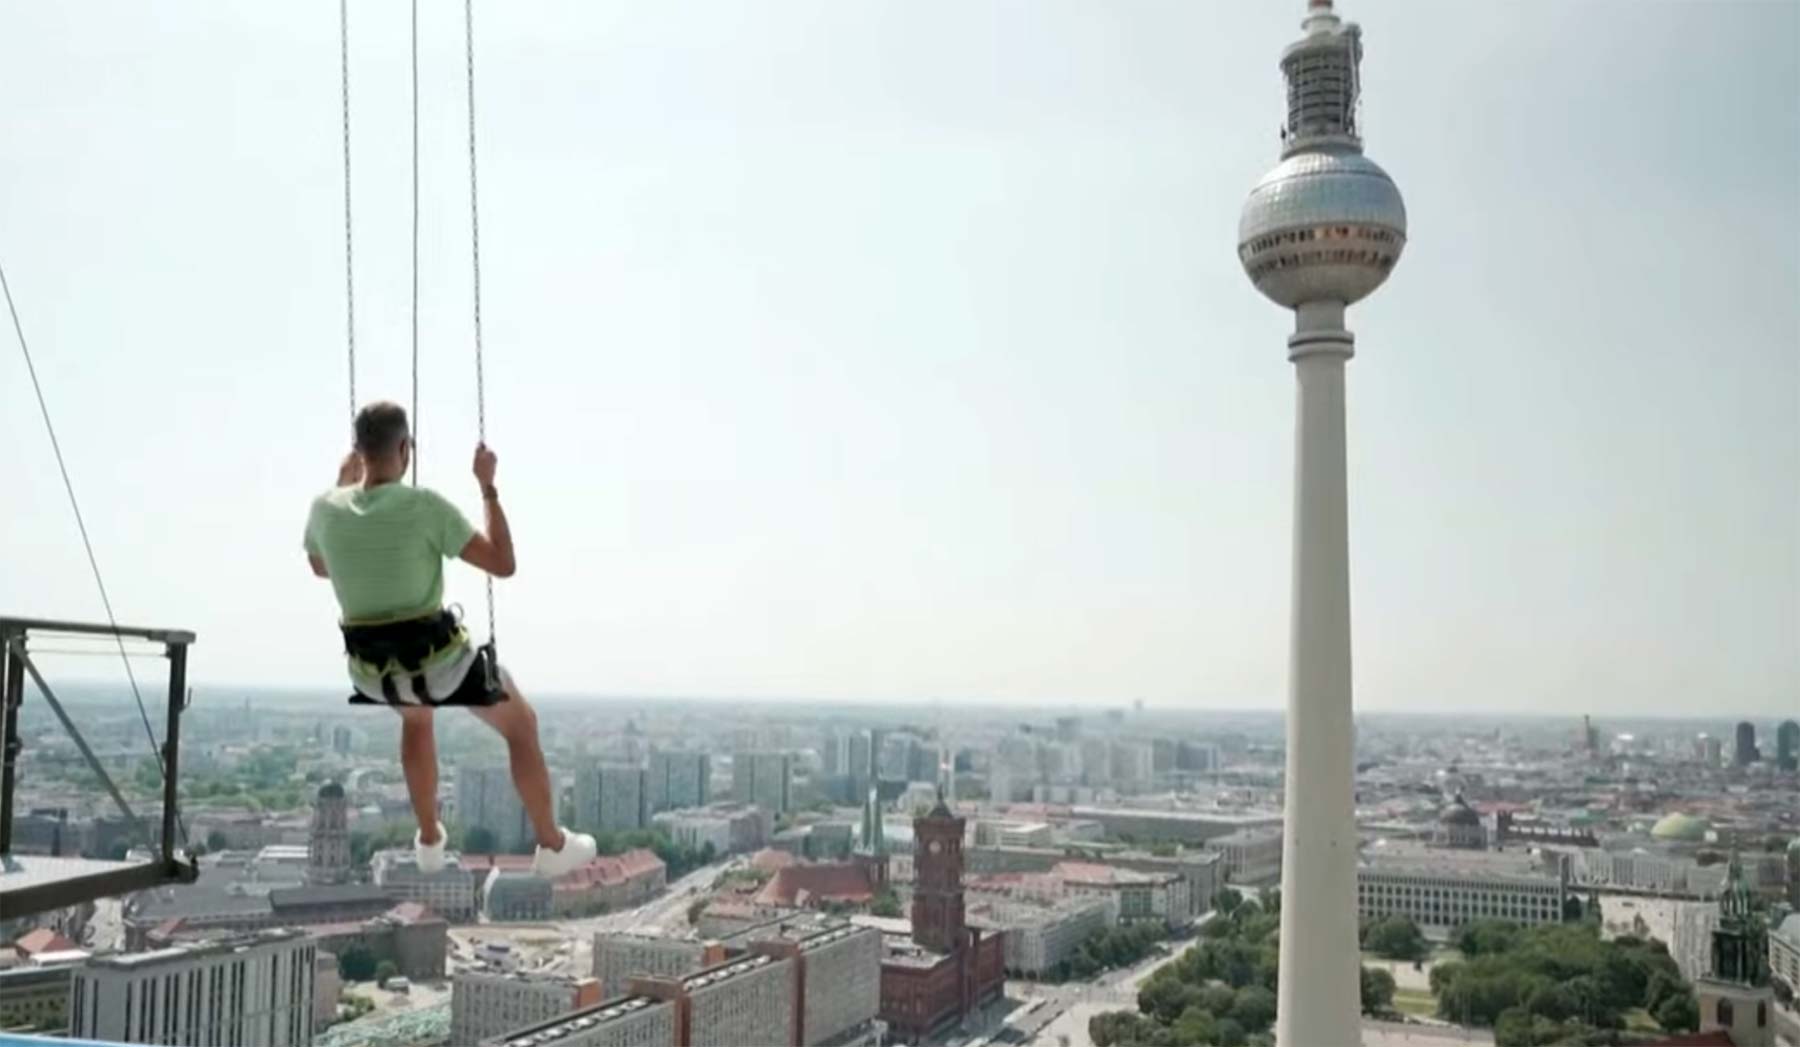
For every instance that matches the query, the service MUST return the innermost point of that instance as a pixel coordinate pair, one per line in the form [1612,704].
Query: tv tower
[1320,231]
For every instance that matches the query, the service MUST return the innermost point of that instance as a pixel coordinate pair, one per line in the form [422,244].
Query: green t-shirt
[385,548]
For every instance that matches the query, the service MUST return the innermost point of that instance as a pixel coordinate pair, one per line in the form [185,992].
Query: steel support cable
[81,525]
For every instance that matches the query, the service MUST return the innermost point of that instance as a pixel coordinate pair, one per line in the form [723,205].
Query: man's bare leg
[517,723]
[418,759]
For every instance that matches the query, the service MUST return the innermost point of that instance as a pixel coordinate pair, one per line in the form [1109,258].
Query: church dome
[1680,828]
[1459,813]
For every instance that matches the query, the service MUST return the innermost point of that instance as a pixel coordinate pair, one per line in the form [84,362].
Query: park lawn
[1417,1002]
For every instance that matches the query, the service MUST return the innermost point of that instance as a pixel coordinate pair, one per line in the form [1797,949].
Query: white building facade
[249,991]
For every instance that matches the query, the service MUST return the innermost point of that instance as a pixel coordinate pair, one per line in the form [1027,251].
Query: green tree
[386,969]
[887,903]
[1254,1007]
[1226,900]
[1195,1026]
[694,910]
[1219,999]
[216,841]
[1395,938]
[479,839]
[1165,998]
[1483,937]
[1678,1012]
[1553,1001]
[356,963]
[1377,990]
[1513,1028]
[1228,1033]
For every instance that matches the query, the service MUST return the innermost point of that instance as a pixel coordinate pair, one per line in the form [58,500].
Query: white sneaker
[430,856]
[578,849]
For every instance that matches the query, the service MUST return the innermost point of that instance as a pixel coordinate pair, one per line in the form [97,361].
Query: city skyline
[937,382]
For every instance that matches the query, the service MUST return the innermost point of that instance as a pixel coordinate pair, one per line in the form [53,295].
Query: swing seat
[403,648]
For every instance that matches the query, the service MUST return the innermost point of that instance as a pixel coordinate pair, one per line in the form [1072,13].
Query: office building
[207,909]
[515,895]
[678,779]
[1195,756]
[487,1002]
[750,1000]
[35,999]
[620,956]
[1149,825]
[328,843]
[611,798]
[1441,889]
[1250,857]
[254,990]
[763,779]
[1042,934]
[1129,895]
[626,1021]
[487,799]
[1743,752]
[1787,746]
[1784,950]
[729,828]
[449,892]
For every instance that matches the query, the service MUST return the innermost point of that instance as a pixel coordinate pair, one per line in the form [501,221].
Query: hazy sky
[900,350]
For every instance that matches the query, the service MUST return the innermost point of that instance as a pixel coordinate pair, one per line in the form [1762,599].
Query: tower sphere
[1322,226]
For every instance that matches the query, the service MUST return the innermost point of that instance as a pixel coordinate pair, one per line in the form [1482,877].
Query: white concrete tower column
[1319,232]
[1319,994]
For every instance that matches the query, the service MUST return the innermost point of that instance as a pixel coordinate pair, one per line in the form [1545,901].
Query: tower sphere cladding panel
[1322,226]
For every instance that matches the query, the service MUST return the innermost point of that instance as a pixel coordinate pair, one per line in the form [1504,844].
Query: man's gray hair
[380,428]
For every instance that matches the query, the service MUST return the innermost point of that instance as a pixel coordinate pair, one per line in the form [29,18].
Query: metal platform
[32,884]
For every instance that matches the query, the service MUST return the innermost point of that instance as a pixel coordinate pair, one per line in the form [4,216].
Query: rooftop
[194,950]
[825,881]
[580,1021]
[1408,858]
[725,972]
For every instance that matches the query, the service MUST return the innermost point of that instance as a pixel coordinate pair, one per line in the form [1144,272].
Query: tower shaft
[1319,993]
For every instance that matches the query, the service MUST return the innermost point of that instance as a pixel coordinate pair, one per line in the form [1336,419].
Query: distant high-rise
[610,798]
[487,799]
[328,844]
[764,779]
[860,759]
[1318,233]
[1744,753]
[1787,746]
[1708,750]
[677,780]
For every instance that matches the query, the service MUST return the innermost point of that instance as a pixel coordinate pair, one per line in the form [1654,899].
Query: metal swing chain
[475,259]
[415,242]
[349,242]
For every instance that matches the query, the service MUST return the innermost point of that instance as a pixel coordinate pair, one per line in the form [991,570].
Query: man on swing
[383,544]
